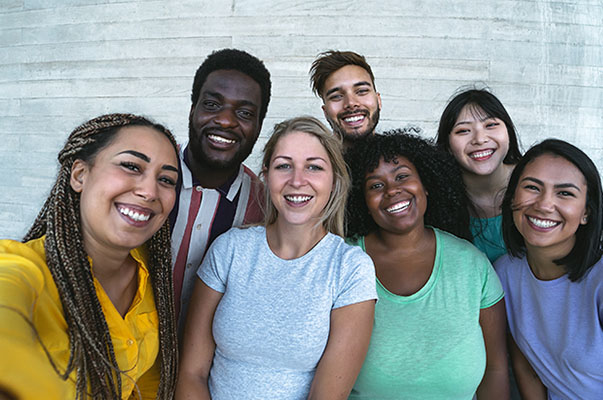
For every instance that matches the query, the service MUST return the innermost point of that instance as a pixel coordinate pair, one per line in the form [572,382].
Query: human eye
[210,105]
[461,131]
[335,97]
[374,185]
[167,181]
[401,177]
[566,193]
[245,114]
[531,187]
[492,124]
[362,91]
[130,166]
[315,167]
[282,166]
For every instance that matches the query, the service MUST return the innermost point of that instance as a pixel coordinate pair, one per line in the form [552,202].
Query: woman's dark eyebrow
[557,186]
[145,158]
[137,154]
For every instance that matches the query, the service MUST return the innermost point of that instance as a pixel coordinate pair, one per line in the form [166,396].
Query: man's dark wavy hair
[238,60]
[447,202]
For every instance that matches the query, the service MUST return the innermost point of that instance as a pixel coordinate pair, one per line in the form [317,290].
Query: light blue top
[272,323]
[558,325]
[430,345]
[487,236]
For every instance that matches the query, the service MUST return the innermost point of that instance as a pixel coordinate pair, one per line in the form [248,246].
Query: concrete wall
[65,61]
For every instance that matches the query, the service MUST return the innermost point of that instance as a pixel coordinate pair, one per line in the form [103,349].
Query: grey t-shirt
[272,324]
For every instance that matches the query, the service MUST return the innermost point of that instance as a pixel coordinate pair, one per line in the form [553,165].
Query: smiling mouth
[543,223]
[220,139]
[398,207]
[137,216]
[298,199]
[481,155]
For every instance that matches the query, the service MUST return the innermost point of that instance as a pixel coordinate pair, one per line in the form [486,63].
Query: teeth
[543,223]
[298,199]
[398,207]
[354,119]
[221,139]
[481,154]
[133,214]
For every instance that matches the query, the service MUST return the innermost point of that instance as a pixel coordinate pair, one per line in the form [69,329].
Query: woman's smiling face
[550,204]
[479,143]
[128,190]
[395,195]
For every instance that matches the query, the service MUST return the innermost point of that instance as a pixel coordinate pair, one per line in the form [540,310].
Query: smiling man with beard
[345,83]
[230,97]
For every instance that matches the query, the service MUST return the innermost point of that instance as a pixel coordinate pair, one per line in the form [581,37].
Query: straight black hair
[588,247]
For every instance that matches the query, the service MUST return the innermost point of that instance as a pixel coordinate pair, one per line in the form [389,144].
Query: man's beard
[217,164]
[352,137]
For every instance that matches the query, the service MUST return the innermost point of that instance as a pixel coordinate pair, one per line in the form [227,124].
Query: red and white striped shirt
[200,215]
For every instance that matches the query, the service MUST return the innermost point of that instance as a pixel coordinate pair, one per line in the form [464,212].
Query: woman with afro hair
[439,329]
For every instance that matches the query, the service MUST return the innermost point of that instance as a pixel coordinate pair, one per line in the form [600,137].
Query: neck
[290,241]
[413,241]
[107,262]
[486,191]
[207,176]
[541,262]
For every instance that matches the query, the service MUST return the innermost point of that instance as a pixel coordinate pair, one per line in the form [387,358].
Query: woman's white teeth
[398,207]
[221,139]
[298,199]
[134,215]
[354,119]
[543,223]
[481,154]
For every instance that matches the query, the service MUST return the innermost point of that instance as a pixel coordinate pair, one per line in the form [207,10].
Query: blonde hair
[332,217]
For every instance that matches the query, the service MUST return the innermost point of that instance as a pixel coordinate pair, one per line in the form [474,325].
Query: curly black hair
[447,202]
[238,60]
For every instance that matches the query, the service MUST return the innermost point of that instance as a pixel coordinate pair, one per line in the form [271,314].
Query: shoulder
[508,265]
[239,237]
[26,260]
[452,244]
[346,254]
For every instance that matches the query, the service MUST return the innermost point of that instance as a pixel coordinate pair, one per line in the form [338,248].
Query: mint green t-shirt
[487,236]
[430,345]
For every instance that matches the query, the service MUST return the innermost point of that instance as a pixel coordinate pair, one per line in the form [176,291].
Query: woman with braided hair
[86,300]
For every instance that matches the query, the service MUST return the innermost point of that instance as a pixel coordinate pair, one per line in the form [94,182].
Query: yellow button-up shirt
[28,293]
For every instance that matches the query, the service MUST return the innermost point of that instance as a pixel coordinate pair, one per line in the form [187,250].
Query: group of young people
[359,264]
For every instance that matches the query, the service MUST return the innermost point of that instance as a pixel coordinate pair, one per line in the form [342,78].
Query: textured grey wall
[65,61]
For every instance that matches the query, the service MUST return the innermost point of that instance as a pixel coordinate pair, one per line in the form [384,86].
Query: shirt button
[199,227]
[130,342]
[189,265]
[198,188]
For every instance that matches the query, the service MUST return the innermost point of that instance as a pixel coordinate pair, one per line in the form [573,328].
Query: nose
[226,118]
[298,177]
[147,188]
[392,190]
[350,101]
[480,136]
[545,202]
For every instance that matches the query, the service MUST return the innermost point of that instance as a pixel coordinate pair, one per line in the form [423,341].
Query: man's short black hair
[233,59]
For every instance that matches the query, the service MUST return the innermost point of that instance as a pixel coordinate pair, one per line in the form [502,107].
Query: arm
[23,361]
[529,384]
[495,383]
[349,337]
[198,344]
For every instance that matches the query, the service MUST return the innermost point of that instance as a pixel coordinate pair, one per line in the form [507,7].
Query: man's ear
[79,172]
[379,100]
